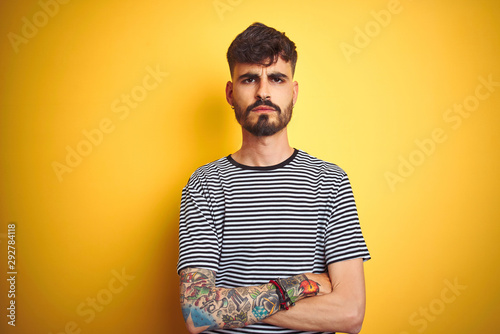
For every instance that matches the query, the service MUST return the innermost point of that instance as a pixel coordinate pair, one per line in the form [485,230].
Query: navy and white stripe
[253,224]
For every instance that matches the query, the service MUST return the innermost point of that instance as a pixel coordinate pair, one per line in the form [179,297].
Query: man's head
[260,44]
[262,91]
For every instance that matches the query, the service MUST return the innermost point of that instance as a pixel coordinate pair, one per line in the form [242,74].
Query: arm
[205,306]
[340,311]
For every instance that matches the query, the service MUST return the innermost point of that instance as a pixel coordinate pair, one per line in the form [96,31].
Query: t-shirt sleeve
[344,239]
[198,236]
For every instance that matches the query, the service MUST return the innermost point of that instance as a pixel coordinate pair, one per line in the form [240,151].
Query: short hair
[260,44]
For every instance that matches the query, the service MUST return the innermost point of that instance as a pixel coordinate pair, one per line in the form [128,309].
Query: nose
[263,92]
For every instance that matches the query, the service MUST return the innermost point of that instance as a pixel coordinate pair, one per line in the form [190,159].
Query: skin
[342,310]
[205,306]
[264,82]
[340,304]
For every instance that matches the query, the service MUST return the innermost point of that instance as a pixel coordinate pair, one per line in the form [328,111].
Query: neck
[263,151]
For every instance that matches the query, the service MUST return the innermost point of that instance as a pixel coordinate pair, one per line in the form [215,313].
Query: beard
[264,125]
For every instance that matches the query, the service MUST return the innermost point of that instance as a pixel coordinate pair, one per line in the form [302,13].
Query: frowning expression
[263,97]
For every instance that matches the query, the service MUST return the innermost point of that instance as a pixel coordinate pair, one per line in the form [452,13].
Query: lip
[263,109]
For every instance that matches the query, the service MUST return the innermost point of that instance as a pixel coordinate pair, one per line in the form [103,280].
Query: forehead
[279,66]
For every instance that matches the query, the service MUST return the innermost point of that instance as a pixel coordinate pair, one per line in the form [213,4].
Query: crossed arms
[333,302]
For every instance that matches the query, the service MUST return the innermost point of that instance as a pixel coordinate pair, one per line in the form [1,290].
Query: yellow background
[118,208]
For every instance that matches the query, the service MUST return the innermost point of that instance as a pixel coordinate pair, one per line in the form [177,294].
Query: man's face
[263,97]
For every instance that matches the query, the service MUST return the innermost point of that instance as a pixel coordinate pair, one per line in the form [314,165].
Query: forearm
[327,313]
[342,310]
[227,308]
[205,306]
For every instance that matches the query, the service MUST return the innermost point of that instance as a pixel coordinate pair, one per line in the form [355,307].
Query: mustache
[262,103]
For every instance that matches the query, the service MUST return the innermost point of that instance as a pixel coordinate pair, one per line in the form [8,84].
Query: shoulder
[319,166]
[209,173]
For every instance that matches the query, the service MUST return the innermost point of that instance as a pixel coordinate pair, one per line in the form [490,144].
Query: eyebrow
[248,76]
[274,75]
[278,75]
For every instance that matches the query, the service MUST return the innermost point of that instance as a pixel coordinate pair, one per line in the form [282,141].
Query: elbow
[349,321]
[354,320]
[192,329]
[188,321]
[355,327]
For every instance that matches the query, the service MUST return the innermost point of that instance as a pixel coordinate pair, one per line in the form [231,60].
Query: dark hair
[260,44]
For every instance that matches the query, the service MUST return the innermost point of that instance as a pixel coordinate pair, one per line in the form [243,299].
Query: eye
[249,80]
[277,80]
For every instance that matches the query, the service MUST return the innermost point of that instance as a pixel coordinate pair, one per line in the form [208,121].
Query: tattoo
[239,320]
[299,287]
[265,304]
[309,288]
[211,307]
[200,298]
[237,299]
[198,317]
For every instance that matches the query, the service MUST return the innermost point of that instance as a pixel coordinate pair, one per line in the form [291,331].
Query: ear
[229,93]
[295,91]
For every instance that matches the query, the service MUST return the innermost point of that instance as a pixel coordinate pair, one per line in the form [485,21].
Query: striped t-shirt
[252,224]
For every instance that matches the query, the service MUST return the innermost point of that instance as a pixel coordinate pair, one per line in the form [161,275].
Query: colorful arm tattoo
[207,307]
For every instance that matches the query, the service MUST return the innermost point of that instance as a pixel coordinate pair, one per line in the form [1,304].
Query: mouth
[263,109]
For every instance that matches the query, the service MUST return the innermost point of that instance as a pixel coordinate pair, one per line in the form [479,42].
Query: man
[269,236]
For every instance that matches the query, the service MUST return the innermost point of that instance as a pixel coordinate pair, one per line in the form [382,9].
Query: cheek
[245,92]
[284,103]
[285,96]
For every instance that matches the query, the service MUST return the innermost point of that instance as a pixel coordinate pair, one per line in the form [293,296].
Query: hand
[323,281]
